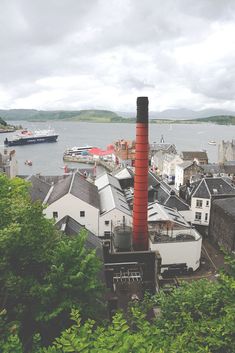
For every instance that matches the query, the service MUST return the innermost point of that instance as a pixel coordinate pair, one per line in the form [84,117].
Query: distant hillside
[4,127]
[79,115]
[220,120]
[105,116]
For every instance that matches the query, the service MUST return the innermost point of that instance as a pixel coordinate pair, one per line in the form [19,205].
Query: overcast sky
[81,54]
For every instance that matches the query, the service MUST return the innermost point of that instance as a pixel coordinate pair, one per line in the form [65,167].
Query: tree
[43,274]
[197,317]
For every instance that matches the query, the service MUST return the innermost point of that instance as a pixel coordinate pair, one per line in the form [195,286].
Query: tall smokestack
[140,207]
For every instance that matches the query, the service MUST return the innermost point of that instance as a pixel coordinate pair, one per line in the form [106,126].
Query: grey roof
[71,227]
[161,146]
[212,168]
[190,155]
[111,198]
[39,188]
[78,186]
[174,201]
[60,189]
[212,186]
[185,164]
[227,205]
[107,179]
[85,190]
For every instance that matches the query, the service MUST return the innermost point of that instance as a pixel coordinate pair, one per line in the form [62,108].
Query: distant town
[156,217]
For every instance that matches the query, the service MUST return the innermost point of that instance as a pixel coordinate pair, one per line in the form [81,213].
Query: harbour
[47,158]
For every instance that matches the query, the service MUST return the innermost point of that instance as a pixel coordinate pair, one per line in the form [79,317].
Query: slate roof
[212,168]
[212,186]
[227,205]
[71,227]
[185,164]
[158,212]
[84,190]
[161,146]
[111,198]
[60,189]
[190,155]
[39,188]
[107,179]
[175,202]
[125,173]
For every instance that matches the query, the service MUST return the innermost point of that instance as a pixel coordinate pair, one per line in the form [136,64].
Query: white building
[177,242]
[185,171]
[169,164]
[114,208]
[72,196]
[202,194]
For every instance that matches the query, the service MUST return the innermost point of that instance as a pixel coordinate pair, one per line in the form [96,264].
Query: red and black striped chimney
[140,206]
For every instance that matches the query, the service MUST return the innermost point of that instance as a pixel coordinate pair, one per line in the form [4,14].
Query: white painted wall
[70,205]
[169,166]
[115,217]
[188,252]
[204,209]
[179,176]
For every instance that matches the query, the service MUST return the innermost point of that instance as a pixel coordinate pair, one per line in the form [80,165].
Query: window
[55,214]
[82,213]
[107,234]
[206,217]
[106,223]
[207,203]
[198,216]
[199,203]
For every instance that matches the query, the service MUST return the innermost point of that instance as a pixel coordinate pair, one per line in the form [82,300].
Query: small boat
[28,162]
[78,151]
[26,137]
[212,142]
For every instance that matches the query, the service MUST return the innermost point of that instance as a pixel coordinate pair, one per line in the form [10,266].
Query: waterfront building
[226,151]
[8,163]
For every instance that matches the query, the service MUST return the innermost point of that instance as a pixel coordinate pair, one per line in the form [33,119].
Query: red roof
[100,152]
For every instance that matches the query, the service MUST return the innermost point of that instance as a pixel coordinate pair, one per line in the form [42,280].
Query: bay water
[47,158]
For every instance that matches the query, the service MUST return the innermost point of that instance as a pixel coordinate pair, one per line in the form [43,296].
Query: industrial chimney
[140,206]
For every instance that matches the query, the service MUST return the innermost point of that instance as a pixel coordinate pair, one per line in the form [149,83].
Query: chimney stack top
[142,110]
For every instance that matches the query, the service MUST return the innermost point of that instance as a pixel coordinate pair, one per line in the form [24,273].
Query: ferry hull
[30,140]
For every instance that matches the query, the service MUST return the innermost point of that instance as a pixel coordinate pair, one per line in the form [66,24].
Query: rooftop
[227,205]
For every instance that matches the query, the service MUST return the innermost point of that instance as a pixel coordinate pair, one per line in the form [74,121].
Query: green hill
[219,119]
[101,116]
[77,115]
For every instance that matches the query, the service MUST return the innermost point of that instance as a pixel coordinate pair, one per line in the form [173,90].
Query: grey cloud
[126,44]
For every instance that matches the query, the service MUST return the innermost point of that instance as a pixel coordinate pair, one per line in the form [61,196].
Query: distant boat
[28,162]
[26,137]
[212,142]
[78,151]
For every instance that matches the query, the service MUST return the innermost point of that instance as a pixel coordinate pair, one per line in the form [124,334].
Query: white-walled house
[202,193]
[177,242]
[185,171]
[72,196]
[169,164]
[113,205]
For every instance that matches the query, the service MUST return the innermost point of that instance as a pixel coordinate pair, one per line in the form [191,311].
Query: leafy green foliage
[197,317]
[43,274]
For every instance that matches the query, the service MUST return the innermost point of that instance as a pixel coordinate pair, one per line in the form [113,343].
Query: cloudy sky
[81,54]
